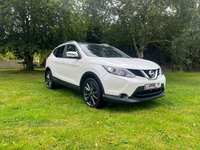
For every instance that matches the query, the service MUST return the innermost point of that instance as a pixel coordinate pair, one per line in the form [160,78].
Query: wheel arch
[47,69]
[90,75]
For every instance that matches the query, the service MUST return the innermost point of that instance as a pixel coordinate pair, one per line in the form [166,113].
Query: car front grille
[149,74]
[137,72]
[140,93]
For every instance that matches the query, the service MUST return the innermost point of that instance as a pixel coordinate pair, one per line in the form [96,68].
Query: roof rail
[71,41]
[105,44]
[66,43]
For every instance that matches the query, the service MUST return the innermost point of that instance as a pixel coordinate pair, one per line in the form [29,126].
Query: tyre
[48,78]
[92,93]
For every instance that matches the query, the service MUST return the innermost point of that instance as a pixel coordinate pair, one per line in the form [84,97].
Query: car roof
[75,42]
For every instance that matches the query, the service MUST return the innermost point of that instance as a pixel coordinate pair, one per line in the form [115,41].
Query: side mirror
[72,54]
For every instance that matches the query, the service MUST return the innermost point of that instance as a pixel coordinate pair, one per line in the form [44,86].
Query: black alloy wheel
[92,93]
[49,83]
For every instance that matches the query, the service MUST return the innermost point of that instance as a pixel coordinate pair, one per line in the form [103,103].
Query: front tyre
[92,93]
[48,78]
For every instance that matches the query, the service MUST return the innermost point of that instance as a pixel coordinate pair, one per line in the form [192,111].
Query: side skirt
[66,84]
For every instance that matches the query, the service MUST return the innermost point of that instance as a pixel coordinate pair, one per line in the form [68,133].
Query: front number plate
[152,86]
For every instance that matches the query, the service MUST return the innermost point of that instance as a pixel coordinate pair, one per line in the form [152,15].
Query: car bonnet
[128,63]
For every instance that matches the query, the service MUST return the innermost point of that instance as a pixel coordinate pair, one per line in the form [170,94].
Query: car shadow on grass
[147,105]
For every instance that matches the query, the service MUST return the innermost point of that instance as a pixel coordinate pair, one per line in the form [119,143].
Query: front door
[70,68]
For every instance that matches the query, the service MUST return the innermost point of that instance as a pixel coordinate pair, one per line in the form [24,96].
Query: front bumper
[140,95]
[116,99]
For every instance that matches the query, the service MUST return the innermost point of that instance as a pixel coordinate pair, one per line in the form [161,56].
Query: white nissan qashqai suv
[103,73]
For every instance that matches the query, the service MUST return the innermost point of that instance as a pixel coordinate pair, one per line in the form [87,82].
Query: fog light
[123,96]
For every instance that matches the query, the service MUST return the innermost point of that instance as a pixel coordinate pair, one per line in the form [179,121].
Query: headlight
[120,72]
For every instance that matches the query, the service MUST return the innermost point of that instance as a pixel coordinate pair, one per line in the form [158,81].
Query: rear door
[56,62]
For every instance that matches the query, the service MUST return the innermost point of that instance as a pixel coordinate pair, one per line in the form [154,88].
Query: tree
[186,48]
[146,22]
[93,19]
[28,26]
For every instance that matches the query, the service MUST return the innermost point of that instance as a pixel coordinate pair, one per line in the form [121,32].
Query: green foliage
[142,22]
[2,57]
[94,33]
[43,55]
[8,56]
[186,48]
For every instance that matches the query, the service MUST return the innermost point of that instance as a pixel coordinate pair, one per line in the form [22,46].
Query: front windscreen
[101,50]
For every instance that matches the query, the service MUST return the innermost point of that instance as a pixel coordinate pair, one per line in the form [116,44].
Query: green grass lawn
[34,117]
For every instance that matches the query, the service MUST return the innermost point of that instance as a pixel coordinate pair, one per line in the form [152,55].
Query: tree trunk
[29,61]
[140,54]
[140,50]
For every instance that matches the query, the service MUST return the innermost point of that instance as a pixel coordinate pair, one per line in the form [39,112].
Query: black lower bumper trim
[116,99]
